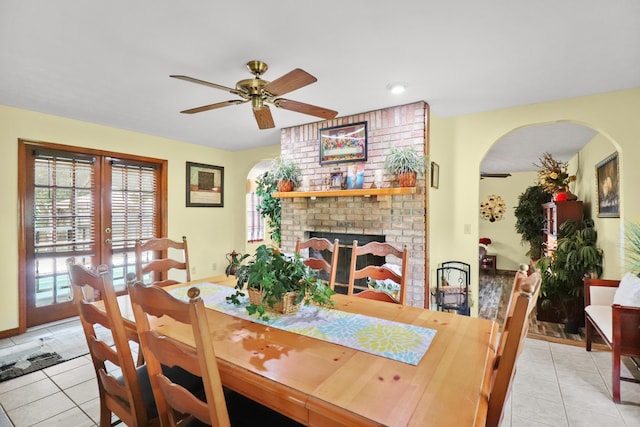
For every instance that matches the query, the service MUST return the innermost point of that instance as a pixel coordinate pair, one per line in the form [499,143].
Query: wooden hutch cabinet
[555,214]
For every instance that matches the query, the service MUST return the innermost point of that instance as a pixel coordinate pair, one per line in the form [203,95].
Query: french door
[83,204]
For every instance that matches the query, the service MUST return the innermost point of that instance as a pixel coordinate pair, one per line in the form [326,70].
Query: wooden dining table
[319,383]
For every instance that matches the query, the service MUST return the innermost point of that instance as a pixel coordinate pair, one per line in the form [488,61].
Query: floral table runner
[393,340]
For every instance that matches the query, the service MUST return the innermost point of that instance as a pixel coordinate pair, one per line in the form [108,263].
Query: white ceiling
[109,62]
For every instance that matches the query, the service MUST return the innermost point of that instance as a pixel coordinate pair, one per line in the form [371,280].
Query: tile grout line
[555,371]
[69,397]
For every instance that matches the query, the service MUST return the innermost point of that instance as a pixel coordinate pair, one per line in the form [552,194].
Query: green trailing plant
[269,206]
[575,257]
[401,160]
[632,247]
[530,218]
[277,274]
[286,170]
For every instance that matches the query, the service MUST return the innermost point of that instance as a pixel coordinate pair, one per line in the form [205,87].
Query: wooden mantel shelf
[365,192]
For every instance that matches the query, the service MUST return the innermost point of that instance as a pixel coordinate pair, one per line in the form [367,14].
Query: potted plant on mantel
[406,164]
[562,271]
[287,173]
[278,283]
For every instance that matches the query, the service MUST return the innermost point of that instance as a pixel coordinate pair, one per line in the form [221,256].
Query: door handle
[107,241]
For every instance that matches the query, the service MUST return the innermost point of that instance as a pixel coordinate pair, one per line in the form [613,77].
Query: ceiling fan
[494,175]
[261,92]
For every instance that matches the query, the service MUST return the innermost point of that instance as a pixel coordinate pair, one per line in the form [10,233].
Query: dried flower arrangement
[553,174]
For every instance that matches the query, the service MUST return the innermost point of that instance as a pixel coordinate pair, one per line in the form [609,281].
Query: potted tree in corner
[530,219]
[406,164]
[287,174]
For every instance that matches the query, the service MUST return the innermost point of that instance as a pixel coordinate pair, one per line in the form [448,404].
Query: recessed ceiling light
[397,88]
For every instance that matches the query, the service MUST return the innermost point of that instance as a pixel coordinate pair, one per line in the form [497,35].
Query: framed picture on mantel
[340,144]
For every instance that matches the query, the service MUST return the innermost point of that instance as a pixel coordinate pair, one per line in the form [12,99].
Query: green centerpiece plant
[406,164]
[278,282]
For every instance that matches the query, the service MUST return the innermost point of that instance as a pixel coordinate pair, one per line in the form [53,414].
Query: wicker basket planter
[282,280]
[285,306]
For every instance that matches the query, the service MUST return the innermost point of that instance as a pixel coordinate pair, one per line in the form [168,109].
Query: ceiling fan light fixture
[256,102]
[397,88]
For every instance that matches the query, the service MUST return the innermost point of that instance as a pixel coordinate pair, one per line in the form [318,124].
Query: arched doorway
[256,227]
[508,169]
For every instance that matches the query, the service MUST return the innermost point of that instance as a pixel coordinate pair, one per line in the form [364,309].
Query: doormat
[50,345]
[26,358]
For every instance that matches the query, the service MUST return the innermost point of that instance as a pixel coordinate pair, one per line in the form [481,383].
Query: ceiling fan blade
[213,106]
[289,82]
[202,82]
[494,175]
[263,117]
[301,107]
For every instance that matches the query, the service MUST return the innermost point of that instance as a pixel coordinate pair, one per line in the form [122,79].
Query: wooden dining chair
[129,395]
[315,261]
[173,400]
[377,295]
[516,326]
[380,272]
[159,264]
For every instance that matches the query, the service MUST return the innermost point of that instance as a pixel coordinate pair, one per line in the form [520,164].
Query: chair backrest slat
[161,264]
[523,300]
[318,264]
[172,399]
[123,396]
[380,272]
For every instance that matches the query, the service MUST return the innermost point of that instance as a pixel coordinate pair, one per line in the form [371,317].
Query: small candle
[305,183]
[378,178]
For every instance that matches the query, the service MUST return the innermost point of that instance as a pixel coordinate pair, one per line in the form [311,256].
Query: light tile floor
[555,385]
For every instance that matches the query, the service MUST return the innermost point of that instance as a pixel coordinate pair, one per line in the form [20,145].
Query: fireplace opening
[344,257]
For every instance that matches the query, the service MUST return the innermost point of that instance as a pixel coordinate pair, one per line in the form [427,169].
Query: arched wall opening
[254,173]
[582,159]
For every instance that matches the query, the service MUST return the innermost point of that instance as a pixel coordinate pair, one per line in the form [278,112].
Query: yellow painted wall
[212,232]
[505,242]
[610,230]
[457,144]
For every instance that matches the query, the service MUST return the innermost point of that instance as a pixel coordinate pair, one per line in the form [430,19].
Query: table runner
[393,340]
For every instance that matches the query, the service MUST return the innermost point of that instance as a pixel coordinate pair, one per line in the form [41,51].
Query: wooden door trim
[24,146]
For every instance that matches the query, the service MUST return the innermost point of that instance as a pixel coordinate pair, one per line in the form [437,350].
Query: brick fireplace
[400,219]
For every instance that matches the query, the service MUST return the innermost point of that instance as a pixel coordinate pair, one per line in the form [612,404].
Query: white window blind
[134,204]
[63,214]
[255,222]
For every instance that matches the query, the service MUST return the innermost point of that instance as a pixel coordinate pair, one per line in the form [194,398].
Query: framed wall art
[338,181]
[608,180]
[347,143]
[205,185]
[435,175]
